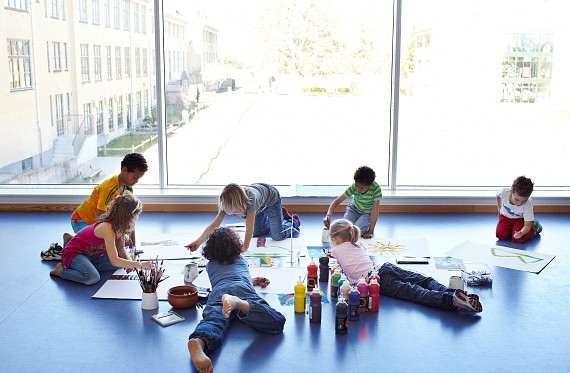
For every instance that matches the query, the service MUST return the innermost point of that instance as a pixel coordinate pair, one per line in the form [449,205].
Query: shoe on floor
[537,227]
[286,214]
[53,253]
[462,301]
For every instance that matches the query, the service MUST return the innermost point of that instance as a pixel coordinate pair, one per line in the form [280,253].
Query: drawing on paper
[525,258]
[389,248]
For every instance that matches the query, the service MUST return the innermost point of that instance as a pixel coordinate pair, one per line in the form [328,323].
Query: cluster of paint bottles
[352,299]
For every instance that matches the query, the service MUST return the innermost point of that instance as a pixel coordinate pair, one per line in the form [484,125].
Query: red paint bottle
[312,275]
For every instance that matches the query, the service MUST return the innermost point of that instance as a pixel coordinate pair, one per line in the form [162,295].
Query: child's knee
[92,279]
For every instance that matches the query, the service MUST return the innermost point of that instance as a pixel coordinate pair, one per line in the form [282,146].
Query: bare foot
[231,303]
[57,270]
[202,362]
[66,238]
[261,241]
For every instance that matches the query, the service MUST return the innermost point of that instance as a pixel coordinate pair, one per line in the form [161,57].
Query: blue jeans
[78,226]
[85,269]
[214,326]
[358,218]
[413,286]
[270,220]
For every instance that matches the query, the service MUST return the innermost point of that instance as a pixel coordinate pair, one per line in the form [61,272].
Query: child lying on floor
[232,296]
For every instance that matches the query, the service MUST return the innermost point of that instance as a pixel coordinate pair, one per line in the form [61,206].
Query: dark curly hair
[365,175]
[523,186]
[133,162]
[223,245]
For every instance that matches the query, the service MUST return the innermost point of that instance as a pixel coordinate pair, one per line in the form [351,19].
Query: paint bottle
[374,275]
[341,281]
[315,307]
[341,319]
[312,275]
[353,303]
[345,288]
[324,268]
[362,287]
[300,296]
[374,297]
[334,284]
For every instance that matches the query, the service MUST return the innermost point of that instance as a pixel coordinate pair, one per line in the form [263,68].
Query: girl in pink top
[101,246]
[351,256]
[395,281]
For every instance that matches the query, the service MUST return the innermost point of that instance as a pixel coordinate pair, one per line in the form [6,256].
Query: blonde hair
[123,211]
[345,230]
[234,199]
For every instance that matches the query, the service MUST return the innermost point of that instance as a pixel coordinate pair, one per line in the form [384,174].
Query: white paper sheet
[501,256]
[131,289]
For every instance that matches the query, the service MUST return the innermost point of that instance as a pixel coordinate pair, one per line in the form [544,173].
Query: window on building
[99,116]
[83,11]
[107,10]
[126,15]
[97,62]
[118,62]
[56,56]
[136,20]
[87,118]
[127,62]
[95,12]
[65,60]
[16,4]
[54,8]
[138,62]
[143,19]
[19,68]
[59,114]
[109,50]
[119,111]
[85,76]
[145,61]
[110,117]
[116,14]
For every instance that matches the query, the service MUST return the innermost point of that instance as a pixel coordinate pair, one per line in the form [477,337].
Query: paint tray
[477,274]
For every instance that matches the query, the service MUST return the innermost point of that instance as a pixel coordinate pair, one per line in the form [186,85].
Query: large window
[456,94]
[19,68]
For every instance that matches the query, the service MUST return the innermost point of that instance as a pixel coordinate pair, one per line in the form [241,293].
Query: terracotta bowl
[183,296]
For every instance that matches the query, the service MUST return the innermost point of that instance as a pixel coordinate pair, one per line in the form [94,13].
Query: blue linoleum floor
[51,325]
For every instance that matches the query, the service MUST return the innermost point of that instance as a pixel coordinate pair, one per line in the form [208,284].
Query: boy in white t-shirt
[516,215]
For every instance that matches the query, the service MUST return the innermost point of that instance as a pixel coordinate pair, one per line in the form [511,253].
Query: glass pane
[283,92]
[69,116]
[482,96]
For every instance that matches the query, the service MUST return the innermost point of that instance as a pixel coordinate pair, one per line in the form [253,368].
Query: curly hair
[223,245]
[123,211]
[523,186]
[365,175]
[133,162]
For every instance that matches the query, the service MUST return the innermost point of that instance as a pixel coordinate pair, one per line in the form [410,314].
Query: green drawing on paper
[525,258]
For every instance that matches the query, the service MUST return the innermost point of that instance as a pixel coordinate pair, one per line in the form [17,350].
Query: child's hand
[261,281]
[146,265]
[367,235]
[327,221]
[517,235]
[193,246]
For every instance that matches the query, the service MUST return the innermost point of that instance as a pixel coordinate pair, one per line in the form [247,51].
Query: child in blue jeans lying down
[233,296]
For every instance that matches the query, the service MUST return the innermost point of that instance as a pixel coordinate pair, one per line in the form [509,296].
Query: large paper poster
[501,256]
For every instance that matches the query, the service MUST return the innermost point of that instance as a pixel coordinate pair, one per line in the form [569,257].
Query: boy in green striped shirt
[364,207]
